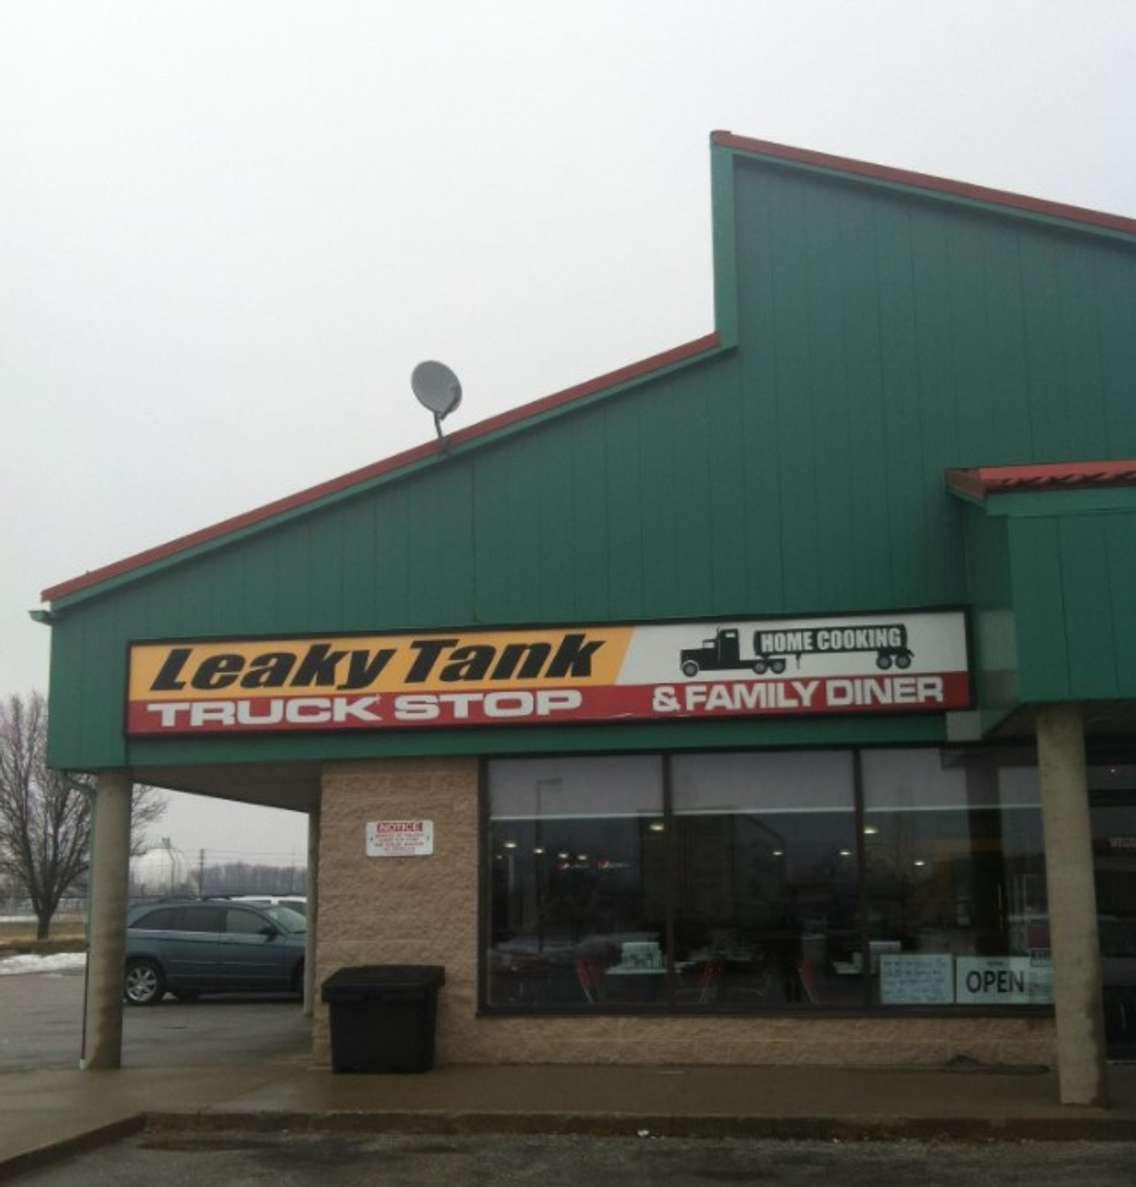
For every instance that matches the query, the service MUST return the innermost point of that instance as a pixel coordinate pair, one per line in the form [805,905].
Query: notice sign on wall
[879,663]
[400,838]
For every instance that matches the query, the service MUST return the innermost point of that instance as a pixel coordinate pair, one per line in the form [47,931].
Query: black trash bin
[382,1017]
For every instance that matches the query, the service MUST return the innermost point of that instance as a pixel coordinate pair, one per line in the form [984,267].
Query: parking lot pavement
[41,1027]
[244,1159]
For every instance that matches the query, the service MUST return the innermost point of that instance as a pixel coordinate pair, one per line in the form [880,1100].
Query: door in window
[1112,805]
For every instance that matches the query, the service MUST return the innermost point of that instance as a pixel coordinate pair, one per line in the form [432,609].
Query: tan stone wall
[424,911]
[411,910]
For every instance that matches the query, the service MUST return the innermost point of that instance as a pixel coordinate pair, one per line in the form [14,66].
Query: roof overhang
[980,484]
[293,786]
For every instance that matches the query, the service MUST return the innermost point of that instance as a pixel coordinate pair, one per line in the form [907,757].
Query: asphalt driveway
[343,1160]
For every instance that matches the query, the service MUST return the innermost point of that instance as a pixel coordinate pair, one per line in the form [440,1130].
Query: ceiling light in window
[538,850]
[581,857]
[563,855]
[920,862]
[870,830]
[510,844]
[845,852]
[656,826]
[778,852]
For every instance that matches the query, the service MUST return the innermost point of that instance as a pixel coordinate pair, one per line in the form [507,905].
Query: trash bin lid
[376,980]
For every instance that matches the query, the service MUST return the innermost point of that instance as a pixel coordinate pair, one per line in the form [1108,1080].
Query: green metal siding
[886,338]
[992,621]
[881,339]
[1073,579]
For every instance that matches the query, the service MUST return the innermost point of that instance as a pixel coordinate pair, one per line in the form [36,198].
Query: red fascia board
[398,461]
[925,181]
[992,480]
[967,484]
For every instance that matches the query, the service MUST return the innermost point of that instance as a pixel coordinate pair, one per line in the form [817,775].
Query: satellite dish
[437,389]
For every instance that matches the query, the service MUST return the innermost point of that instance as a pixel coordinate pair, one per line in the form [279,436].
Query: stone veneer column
[401,910]
[1072,905]
[311,936]
[109,886]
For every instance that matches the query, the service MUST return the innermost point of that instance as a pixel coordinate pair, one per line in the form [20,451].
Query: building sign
[886,663]
[400,838]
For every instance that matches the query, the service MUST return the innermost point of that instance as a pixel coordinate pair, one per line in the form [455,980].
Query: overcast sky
[229,230]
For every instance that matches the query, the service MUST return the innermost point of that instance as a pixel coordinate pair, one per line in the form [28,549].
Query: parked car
[211,946]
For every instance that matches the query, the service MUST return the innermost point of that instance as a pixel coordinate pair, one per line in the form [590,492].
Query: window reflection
[577,882]
[955,879]
[765,880]
[756,886]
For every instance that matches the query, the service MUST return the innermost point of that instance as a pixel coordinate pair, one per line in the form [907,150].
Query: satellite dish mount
[437,389]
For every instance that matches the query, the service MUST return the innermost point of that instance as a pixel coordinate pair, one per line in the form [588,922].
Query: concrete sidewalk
[44,1112]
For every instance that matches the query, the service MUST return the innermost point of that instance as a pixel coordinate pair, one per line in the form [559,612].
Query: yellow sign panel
[460,660]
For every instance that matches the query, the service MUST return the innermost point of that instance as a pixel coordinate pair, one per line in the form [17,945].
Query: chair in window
[590,974]
[709,981]
[806,970]
[703,986]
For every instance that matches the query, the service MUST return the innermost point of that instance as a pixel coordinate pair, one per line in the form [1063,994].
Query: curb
[79,1143]
[1100,1128]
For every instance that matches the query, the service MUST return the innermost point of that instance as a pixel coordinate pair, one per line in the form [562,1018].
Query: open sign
[1002,980]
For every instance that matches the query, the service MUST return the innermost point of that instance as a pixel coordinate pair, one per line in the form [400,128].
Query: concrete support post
[109,884]
[311,937]
[1072,905]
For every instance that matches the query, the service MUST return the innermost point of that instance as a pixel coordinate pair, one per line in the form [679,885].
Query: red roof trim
[926,181]
[998,480]
[398,461]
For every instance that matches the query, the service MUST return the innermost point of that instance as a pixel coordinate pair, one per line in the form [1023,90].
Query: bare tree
[45,815]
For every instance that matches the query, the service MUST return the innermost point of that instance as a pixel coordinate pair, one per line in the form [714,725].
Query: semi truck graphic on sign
[771,648]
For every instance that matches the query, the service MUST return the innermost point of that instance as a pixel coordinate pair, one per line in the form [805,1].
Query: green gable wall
[881,338]
[886,338]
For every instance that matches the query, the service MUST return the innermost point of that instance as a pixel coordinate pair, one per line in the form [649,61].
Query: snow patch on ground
[56,963]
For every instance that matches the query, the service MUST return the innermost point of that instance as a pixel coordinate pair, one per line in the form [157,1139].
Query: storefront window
[766,880]
[798,880]
[955,879]
[577,882]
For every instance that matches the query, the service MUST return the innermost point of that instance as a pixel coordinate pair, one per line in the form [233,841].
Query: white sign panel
[924,979]
[400,838]
[1003,980]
